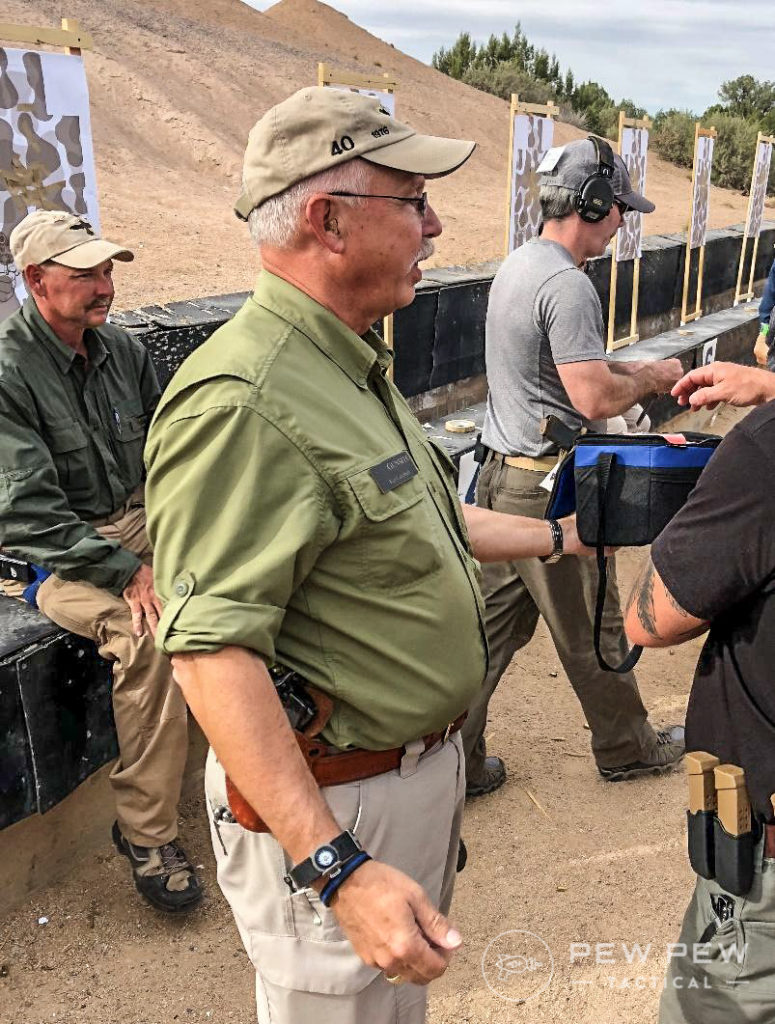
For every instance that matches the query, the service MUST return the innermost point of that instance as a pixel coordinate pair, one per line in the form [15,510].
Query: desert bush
[673,136]
[505,79]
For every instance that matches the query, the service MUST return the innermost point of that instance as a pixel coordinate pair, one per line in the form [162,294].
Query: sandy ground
[601,863]
[556,853]
[175,86]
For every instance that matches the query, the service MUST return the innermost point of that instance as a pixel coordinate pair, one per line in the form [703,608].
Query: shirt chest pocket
[396,534]
[129,421]
[68,445]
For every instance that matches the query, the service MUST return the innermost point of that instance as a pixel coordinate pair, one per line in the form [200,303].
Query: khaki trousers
[516,593]
[148,706]
[306,970]
[722,970]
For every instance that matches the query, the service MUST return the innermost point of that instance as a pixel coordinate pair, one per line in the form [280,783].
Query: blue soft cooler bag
[624,489]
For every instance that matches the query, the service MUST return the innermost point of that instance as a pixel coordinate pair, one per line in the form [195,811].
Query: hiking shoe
[162,873]
[493,776]
[667,751]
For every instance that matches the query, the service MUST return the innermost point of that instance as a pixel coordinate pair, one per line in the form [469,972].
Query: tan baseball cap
[322,127]
[64,238]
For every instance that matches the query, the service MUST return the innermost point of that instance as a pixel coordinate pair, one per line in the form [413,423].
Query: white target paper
[634,146]
[533,136]
[703,161]
[759,190]
[387,99]
[46,153]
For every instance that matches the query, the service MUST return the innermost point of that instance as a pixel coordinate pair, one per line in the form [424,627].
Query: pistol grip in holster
[700,840]
[733,856]
[244,814]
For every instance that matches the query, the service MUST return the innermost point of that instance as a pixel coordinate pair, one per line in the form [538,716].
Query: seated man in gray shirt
[545,356]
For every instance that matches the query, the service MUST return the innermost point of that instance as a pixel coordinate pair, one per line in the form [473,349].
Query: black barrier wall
[439,339]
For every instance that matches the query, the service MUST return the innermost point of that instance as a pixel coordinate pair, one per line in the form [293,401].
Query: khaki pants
[516,593]
[723,971]
[306,970]
[148,706]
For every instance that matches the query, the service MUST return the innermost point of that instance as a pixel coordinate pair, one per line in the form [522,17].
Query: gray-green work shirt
[298,509]
[71,444]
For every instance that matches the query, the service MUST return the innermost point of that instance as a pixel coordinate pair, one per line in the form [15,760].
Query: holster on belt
[331,767]
[702,811]
[735,831]
[240,808]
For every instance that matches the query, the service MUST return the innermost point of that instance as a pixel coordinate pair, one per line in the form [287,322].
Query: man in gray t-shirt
[545,356]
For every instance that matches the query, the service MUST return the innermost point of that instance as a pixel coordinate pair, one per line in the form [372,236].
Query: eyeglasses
[419,202]
[623,208]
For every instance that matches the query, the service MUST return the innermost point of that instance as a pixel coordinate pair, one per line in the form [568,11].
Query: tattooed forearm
[646,613]
[676,605]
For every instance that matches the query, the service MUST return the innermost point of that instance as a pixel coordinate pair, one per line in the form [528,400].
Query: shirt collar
[63,355]
[352,353]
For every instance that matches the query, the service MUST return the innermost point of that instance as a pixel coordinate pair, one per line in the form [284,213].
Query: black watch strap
[325,862]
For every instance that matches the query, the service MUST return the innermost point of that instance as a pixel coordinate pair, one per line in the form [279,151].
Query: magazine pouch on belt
[624,489]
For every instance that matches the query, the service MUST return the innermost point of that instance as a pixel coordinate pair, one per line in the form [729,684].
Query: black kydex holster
[733,857]
[700,839]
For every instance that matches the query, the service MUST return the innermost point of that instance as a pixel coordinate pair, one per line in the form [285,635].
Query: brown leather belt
[332,767]
[542,465]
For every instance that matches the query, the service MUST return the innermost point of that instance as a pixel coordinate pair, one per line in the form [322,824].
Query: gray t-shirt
[543,311]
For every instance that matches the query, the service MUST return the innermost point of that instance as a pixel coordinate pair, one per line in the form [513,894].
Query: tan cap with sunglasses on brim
[63,238]
[322,127]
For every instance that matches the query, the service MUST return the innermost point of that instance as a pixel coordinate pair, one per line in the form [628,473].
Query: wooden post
[71,25]
[71,36]
[509,171]
[633,336]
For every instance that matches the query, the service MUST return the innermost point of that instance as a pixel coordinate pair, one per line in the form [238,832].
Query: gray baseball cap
[322,127]
[578,161]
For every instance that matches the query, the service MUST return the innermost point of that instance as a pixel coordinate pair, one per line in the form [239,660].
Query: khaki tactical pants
[722,969]
[306,969]
[516,593]
[148,706]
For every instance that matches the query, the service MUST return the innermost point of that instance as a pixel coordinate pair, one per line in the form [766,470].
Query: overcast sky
[659,53]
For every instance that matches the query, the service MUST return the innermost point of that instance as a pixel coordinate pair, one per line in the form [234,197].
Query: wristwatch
[557,543]
[325,862]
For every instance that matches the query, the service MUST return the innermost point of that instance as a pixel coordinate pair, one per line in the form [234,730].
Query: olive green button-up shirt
[71,444]
[298,509]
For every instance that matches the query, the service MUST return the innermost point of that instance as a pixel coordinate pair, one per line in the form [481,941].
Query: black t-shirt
[717,558]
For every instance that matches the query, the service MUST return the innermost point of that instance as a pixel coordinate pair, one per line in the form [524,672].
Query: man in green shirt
[301,515]
[76,395]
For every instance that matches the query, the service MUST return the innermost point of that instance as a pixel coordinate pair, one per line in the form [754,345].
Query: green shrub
[673,136]
[505,79]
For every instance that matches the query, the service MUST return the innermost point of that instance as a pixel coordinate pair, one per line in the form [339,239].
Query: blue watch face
[325,857]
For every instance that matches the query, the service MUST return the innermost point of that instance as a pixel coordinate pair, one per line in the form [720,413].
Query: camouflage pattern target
[46,155]
[533,135]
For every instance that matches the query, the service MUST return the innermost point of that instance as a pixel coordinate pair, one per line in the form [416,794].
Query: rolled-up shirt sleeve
[237,515]
[36,520]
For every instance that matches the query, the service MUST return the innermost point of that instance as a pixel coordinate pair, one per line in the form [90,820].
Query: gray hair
[276,221]
[556,203]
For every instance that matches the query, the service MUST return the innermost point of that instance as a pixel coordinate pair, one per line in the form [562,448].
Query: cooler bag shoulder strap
[605,461]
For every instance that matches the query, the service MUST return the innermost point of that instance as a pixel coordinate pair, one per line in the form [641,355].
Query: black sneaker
[493,776]
[666,753]
[162,873]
